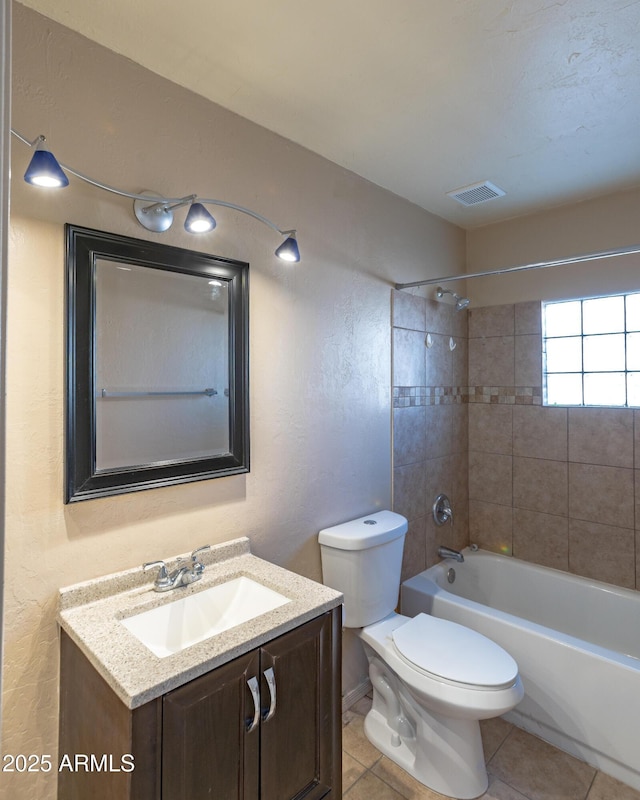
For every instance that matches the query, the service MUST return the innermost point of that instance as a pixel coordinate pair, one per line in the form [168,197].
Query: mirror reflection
[162,371]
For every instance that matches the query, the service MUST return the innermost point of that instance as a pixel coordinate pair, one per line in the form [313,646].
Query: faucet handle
[163,576]
[163,567]
[441,510]
[198,566]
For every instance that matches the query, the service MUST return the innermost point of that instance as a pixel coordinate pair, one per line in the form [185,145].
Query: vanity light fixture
[199,220]
[288,250]
[153,211]
[43,169]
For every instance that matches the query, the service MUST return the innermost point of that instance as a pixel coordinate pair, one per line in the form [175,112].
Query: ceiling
[421,97]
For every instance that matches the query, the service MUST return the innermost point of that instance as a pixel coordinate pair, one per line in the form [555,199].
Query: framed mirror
[157,365]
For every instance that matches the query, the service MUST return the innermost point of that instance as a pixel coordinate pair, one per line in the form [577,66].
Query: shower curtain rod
[622,251]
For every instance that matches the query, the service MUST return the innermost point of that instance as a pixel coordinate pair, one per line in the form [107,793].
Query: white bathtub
[576,641]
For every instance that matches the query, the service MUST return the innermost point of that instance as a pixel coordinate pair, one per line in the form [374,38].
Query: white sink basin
[188,620]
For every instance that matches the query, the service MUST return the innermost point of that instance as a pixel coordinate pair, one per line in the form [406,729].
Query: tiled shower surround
[430,430]
[555,486]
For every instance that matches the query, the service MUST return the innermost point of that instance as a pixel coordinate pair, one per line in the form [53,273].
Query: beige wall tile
[490,478]
[541,538]
[438,362]
[408,490]
[636,438]
[540,485]
[491,361]
[603,552]
[408,310]
[602,494]
[414,558]
[460,427]
[490,428]
[443,318]
[564,460]
[460,362]
[601,436]
[442,476]
[454,535]
[408,358]
[409,435]
[637,558]
[521,503]
[528,317]
[540,432]
[439,431]
[439,479]
[491,526]
[460,465]
[435,536]
[491,321]
[460,324]
[528,360]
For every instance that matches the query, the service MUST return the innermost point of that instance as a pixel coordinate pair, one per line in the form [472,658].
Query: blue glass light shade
[288,250]
[199,220]
[44,170]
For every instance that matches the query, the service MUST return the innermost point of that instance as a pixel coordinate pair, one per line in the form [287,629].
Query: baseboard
[356,694]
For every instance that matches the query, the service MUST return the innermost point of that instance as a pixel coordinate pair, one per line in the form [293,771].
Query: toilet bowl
[433,680]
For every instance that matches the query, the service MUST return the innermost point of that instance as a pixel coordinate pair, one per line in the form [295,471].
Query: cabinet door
[207,752]
[299,742]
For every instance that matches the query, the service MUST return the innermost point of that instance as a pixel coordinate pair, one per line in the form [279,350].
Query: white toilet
[433,680]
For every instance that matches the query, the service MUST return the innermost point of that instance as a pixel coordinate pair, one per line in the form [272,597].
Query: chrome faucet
[448,552]
[183,575]
[442,511]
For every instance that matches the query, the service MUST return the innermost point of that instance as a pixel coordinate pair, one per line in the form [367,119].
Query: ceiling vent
[476,193]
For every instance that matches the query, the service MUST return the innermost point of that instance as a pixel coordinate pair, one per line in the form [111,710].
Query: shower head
[461,302]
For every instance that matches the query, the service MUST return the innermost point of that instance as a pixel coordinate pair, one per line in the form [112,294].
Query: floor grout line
[492,776]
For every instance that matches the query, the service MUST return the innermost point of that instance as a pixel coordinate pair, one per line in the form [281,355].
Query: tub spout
[448,552]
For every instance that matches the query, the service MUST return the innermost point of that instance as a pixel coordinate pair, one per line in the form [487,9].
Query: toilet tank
[363,560]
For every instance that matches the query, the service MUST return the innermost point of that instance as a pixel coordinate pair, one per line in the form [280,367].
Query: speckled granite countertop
[90,613]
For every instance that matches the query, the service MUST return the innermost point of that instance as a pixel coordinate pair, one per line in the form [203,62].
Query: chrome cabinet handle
[252,683]
[271,683]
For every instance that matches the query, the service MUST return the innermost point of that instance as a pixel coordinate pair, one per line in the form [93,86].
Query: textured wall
[594,226]
[319,343]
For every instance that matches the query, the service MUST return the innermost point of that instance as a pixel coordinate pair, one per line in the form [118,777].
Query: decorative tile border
[509,395]
[411,396]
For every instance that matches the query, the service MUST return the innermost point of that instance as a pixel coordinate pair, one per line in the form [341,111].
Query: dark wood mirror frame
[83,481]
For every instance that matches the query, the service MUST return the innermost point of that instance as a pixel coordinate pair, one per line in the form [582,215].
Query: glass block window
[591,351]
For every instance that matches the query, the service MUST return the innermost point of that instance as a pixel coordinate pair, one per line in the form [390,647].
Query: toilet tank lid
[367,531]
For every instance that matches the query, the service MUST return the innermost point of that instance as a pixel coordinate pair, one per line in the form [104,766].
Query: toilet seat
[454,654]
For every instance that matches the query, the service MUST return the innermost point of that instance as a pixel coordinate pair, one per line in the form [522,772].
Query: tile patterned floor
[520,767]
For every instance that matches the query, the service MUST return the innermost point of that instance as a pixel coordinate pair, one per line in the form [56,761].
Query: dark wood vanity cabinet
[205,739]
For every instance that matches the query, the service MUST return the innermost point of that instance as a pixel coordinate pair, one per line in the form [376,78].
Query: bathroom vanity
[251,712]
